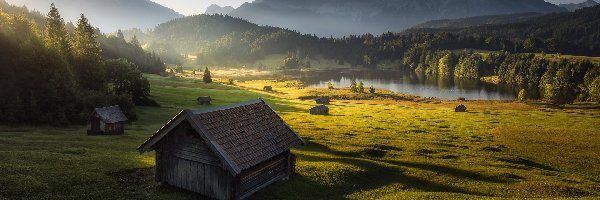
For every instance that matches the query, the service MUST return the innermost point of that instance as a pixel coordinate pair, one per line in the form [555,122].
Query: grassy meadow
[384,146]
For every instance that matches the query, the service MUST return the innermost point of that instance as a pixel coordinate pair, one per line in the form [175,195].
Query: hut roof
[111,114]
[242,135]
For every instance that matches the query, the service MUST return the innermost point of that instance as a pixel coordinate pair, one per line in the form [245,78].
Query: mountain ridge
[216,9]
[346,17]
[576,6]
[108,15]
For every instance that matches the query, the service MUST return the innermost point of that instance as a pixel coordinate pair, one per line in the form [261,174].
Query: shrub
[372,90]
[353,85]
[361,87]
[595,90]
[179,69]
[461,99]
[231,82]
[522,96]
[330,85]
[207,77]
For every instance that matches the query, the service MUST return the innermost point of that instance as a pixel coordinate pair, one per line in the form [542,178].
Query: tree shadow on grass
[379,173]
[282,105]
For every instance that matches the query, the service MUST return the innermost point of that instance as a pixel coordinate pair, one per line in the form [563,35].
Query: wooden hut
[268,89]
[460,108]
[107,121]
[319,110]
[227,152]
[204,100]
[323,100]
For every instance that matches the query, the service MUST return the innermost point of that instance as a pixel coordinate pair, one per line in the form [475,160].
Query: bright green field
[370,149]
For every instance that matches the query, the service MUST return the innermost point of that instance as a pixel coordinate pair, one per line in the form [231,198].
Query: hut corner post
[291,165]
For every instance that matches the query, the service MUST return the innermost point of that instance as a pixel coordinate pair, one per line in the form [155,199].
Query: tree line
[54,76]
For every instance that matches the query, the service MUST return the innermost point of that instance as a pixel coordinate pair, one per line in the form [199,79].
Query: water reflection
[412,83]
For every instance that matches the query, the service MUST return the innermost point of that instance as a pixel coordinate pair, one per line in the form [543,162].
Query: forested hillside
[478,21]
[221,40]
[436,52]
[56,76]
[575,33]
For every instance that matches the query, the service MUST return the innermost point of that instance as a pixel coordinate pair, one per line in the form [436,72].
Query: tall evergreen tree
[86,51]
[55,34]
[207,78]
[120,34]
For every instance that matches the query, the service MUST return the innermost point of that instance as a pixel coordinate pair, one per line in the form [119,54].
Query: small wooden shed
[204,100]
[268,89]
[227,152]
[323,100]
[107,121]
[319,110]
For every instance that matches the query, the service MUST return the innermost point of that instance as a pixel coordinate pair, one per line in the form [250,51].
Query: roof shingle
[111,114]
[249,133]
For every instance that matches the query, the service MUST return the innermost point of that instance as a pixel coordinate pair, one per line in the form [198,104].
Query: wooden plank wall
[185,161]
[257,176]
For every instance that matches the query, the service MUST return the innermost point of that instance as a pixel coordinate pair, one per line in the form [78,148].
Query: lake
[410,83]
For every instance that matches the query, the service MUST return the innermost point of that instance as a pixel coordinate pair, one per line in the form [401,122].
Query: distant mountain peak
[345,17]
[216,9]
[576,6]
[108,15]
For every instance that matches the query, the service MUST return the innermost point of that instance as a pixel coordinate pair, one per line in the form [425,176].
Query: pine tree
[56,35]
[353,85]
[372,90]
[120,34]
[361,87]
[86,51]
[84,43]
[207,77]
[522,96]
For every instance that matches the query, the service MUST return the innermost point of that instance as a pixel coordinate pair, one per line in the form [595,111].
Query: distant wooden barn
[228,152]
[204,100]
[107,121]
[268,89]
[319,110]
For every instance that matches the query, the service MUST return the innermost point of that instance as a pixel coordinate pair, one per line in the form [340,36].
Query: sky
[193,7]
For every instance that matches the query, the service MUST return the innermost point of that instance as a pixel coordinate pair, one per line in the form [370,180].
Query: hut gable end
[184,143]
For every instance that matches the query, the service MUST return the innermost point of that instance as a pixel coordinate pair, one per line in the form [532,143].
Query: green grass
[366,149]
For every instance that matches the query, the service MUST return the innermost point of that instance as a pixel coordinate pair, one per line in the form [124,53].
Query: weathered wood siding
[256,177]
[114,129]
[185,161]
